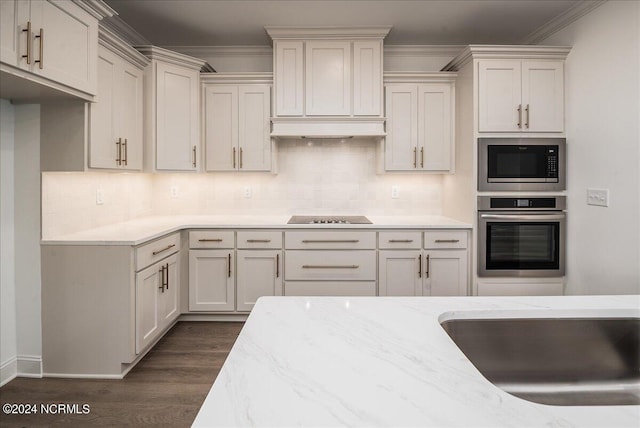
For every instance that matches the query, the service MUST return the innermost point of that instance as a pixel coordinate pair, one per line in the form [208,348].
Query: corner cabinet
[115,132]
[520,95]
[172,83]
[55,42]
[236,122]
[420,110]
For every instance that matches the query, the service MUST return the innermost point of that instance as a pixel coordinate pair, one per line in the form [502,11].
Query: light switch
[598,197]
[99,197]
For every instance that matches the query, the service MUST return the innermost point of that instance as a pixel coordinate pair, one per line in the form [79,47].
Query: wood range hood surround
[328,81]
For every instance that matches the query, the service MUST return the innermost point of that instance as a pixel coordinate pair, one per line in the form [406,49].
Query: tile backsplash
[314,177]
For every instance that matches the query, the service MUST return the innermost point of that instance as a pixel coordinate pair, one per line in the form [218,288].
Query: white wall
[8,340]
[603,138]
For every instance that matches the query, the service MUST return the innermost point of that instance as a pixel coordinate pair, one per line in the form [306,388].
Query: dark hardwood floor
[166,388]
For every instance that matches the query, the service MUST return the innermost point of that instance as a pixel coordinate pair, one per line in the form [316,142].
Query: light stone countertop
[139,231]
[386,362]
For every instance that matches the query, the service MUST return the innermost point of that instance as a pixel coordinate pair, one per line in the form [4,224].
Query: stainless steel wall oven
[521,236]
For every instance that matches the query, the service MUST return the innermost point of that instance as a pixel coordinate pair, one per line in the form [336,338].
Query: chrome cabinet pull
[400,240]
[194,156]
[330,266]
[519,115]
[415,157]
[427,272]
[41,60]
[124,159]
[278,265]
[526,110]
[162,278]
[166,269]
[319,241]
[234,158]
[155,253]
[451,241]
[421,157]
[259,240]
[210,240]
[28,31]
[240,157]
[229,271]
[119,152]
[420,266]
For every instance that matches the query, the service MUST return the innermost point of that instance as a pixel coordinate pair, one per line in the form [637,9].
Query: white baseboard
[29,366]
[83,376]
[8,371]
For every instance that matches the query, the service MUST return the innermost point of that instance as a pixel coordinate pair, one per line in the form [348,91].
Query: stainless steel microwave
[521,164]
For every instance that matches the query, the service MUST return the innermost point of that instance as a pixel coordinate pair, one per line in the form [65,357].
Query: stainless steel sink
[559,361]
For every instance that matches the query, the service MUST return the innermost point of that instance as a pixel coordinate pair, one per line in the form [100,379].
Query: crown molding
[111,41]
[226,51]
[506,52]
[96,8]
[419,77]
[157,53]
[236,78]
[422,50]
[126,32]
[561,21]
[328,32]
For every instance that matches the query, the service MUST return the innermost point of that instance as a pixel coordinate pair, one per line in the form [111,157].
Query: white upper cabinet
[520,96]
[54,40]
[172,112]
[289,75]
[420,122]
[367,77]
[237,112]
[115,135]
[328,78]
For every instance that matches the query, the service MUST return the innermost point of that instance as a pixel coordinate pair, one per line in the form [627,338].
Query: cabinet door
[435,127]
[543,96]
[367,75]
[254,140]
[499,96]
[211,280]
[221,127]
[130,115]
[148,282]
[399,273]
[68,48]
[14,15]
[401,143]
[445,273]
[168,301]
[289,73]
[328,78]
[103,141]
[176,117]
[259,274]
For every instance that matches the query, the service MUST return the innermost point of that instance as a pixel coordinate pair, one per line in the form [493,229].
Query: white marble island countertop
[139,231]
[386,362]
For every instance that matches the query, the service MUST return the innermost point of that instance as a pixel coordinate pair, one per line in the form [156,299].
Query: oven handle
[524,216]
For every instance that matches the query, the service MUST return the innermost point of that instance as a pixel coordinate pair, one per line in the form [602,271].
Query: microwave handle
[523,216]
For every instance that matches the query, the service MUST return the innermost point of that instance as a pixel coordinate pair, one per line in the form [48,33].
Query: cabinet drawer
[259,239]
[327,239]
[157,250]
[330,288]
[211,239]
[330,265]
[400,239]
[445,239]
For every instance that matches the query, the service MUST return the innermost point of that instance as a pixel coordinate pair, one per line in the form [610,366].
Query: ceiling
[415,22]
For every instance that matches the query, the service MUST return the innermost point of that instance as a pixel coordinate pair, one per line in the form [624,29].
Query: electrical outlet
[395,192]
[247,192]
[174,192]
[99,197]
[598,197]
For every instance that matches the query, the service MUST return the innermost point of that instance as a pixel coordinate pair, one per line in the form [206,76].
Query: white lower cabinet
[156,300]
[259,274]
[446,273]
[400,273]
[212,280]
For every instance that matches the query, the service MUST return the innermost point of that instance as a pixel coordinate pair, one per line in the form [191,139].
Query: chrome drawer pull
[210,240]
[320,241]
[259,240]
[453,241]
[330,266]
[155,253]
[400,240]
